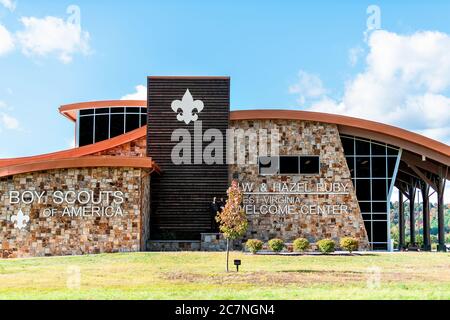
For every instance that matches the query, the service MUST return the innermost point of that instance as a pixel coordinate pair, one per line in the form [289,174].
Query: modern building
[144,175]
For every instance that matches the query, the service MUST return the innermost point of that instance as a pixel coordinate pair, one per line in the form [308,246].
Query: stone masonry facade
[303,138]
[73,233]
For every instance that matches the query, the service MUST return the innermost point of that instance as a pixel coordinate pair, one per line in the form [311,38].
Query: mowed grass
[198,275]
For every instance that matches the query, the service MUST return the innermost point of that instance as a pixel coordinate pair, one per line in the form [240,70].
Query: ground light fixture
[237,263]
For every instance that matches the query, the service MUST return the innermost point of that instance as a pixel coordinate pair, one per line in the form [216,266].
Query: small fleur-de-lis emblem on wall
[20,220]
[187,108]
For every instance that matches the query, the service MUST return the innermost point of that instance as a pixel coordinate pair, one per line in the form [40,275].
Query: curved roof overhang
[404,139]
[70,110]
[81,157]
[83,162]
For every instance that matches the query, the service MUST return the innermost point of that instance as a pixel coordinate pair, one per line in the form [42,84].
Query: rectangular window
[363,167]
[102,111]
[117,125]
[362,148]
[379,167]
[101,128]
[132,122]
[349,145]
[86,130]
[309,165]
[289,165]
[363,189]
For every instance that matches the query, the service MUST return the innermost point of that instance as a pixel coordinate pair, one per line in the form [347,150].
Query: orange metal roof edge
[69,110]
[274,114]
[81,151]
[83,162]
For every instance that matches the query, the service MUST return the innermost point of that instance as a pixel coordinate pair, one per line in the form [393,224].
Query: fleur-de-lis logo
[187,109]
[20,220]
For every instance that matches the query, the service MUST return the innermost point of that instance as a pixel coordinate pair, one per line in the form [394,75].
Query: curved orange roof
[81,151]
[82,162]
[80,157]
[70,110]
[359,127]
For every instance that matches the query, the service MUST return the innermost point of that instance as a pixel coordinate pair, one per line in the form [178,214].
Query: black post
[426,216]
[401,222]
[412,229]
[228,253]
[441,231]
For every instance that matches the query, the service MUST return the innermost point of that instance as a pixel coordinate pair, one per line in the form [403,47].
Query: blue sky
[288,54]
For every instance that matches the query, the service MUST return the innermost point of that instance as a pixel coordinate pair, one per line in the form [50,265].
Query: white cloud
[140,94]
[308,86]
[53,35]
[6,41]
[354,54]
[9,122]
[8,4]
[405,83]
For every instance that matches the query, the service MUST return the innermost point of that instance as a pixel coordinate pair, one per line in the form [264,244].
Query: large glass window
[95,125]
[372,165]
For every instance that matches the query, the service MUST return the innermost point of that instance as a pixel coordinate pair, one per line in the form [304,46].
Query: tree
[232,219]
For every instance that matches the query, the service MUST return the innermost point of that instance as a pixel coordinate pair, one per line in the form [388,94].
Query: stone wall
[135,148]
[71,234]
[304,138]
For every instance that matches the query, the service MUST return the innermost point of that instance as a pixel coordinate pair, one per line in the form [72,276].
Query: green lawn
[197,275]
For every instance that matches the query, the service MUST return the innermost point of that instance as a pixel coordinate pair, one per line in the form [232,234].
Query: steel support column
[441,225]
[401,222]
[412,227]
[425,189]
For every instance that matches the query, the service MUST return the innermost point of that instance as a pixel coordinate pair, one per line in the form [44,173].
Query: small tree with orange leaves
[232,220]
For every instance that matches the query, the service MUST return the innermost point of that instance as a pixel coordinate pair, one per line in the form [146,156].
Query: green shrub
[276,245]
[349,244]
[254,245]
[301,244]
[326,245]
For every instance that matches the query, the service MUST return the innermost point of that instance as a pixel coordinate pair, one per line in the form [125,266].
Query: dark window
[101,128]
[362,148]
[117,125]
[365,207]
[144,110]
[132,122]
[391,166]
[379,207]
[143,120]
[367,216]
[379,231]
[379,192]
[379,216]
[86,112]
[349,145]
[289,165]
[392,152]
[133,110]
[117,110]
[379,167]
[351,165]
[363,167]
[102,111]
[86,130]
[268,165]
[378,150]
[309,165]
[363,189]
